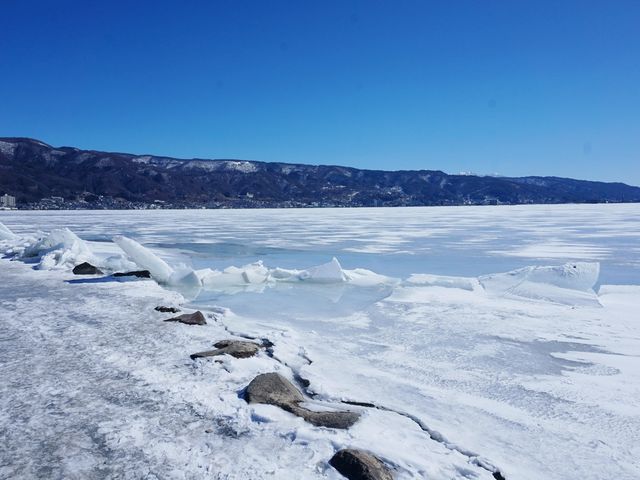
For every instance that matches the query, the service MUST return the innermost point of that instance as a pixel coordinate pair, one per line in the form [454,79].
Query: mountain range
[35,173]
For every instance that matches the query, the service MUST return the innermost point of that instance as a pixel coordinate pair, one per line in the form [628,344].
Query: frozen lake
[536,380]
[395,241]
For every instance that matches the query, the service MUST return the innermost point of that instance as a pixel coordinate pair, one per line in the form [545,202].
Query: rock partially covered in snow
[196,318]
[235,348]
[166,309]
[274,389]
[86,268]
[359,465]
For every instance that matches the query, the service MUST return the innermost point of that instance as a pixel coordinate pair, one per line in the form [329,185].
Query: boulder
[235,348]
[359,465]
[137,273]
[274,389]
[196,318]
[167,309]
[86,269]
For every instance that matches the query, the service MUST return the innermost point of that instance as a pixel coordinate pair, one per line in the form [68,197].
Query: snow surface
[478,354]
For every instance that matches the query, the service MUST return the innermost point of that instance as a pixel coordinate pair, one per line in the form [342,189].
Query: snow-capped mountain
[33,170]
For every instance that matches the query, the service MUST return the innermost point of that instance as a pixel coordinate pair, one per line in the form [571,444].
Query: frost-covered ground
[535,372]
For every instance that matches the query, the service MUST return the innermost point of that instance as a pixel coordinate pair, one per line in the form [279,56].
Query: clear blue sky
[512,87]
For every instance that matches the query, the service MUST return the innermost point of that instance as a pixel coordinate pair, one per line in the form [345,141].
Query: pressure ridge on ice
[63,249]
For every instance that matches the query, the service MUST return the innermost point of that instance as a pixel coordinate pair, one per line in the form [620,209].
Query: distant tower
[7,201]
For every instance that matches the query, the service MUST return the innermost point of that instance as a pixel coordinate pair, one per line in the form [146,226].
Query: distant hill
[34,172]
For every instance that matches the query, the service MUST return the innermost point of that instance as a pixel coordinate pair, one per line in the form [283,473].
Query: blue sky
[507,87]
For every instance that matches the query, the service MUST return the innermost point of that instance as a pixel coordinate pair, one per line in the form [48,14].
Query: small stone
[167,309]
[86,269]
[196,318]
[359,465]
[235,348]
[329,419]
[274,389]
[137,273]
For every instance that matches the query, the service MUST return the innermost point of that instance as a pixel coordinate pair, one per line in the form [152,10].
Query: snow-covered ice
[485,338]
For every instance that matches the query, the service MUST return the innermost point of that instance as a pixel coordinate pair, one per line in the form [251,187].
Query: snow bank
[571,283]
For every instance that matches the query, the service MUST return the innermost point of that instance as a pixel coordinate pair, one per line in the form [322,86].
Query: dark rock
[196,318]
[329,419]
[235,348]
[167,309]
[274,389]
[266,343]
[359,465]
[86,269]
[137,273]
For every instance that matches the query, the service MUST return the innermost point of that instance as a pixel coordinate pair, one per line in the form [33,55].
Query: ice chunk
[61,238]
[571,283]
[6,234]
[183,279]
[255,273]
[330,272]
[117,263]
[362,277]
[144,258]
[252,274]
[60,248]
[284,275]
[575,276]
[427,280]
[259,276]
